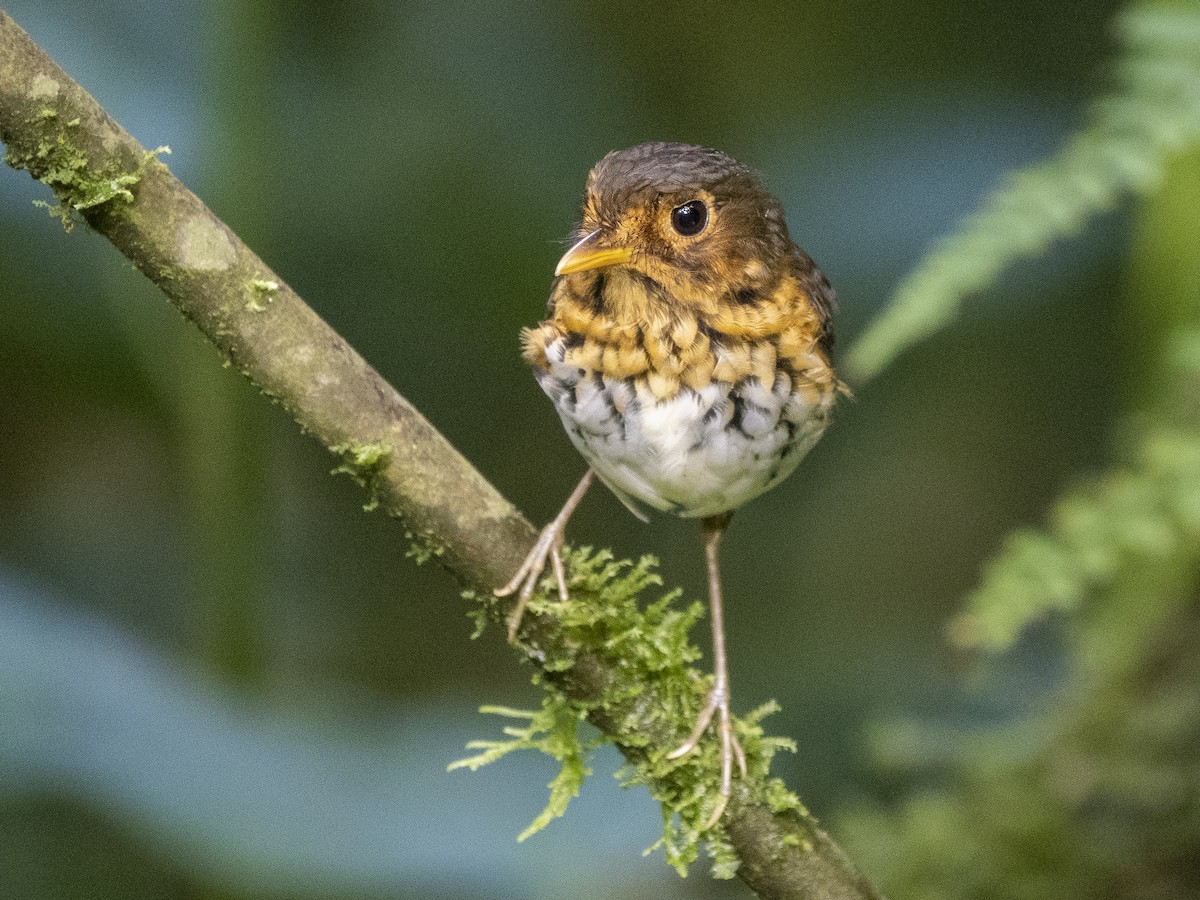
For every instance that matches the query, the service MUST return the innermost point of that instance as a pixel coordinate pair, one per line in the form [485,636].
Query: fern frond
[1089,792]
[1154,112]
[1141,514]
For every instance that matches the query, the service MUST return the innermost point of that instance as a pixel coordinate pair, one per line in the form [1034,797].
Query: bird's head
[693,221]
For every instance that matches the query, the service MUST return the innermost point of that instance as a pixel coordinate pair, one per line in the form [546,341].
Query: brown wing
[822,295]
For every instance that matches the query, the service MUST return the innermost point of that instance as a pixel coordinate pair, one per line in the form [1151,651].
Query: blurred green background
[219,678]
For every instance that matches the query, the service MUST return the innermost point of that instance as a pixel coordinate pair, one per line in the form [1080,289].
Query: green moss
[553,730]
[423,546]
[260,293]
[78,186]
[56,159]
[362,462]
[647,643]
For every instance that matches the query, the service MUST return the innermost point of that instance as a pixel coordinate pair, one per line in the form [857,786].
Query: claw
[731,748]
[718,810]
[548,546]
[560,575]
[531,570]
[702,723]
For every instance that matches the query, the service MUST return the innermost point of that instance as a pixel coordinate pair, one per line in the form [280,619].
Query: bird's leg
[549,544]
[718,696]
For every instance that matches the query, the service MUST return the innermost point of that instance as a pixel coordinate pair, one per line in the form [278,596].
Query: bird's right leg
[548,544]
[718,696]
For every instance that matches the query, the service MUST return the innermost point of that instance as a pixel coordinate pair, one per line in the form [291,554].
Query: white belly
[699,453]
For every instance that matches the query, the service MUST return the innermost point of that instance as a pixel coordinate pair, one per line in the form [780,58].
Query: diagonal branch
[58,132]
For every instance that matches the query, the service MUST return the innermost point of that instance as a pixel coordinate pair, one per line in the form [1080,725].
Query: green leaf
[1153,113]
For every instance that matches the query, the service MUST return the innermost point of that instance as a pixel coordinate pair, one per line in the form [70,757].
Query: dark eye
[690,218]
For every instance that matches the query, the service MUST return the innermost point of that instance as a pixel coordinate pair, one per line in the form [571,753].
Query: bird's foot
[731,749]
[549,545]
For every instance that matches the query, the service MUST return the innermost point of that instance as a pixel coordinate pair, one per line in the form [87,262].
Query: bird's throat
[623,326]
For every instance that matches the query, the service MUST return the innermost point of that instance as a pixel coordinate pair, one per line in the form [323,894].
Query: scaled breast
[690,444]
[689,408]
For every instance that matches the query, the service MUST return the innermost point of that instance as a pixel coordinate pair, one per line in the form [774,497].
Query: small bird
[687,351]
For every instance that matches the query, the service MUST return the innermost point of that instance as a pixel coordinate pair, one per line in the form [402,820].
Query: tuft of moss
[260,292]
[362,462]
[423,546]
[553,730]
[57,161]
[647,642]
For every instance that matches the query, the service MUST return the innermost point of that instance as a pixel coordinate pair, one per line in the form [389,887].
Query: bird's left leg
[718,696]
[548,544]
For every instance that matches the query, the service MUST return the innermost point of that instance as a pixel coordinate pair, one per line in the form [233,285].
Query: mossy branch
[58,133]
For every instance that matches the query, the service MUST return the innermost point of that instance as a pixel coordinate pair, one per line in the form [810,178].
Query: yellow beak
[587,255]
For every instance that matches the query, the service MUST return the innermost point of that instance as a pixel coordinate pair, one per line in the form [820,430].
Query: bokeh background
[219,678]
